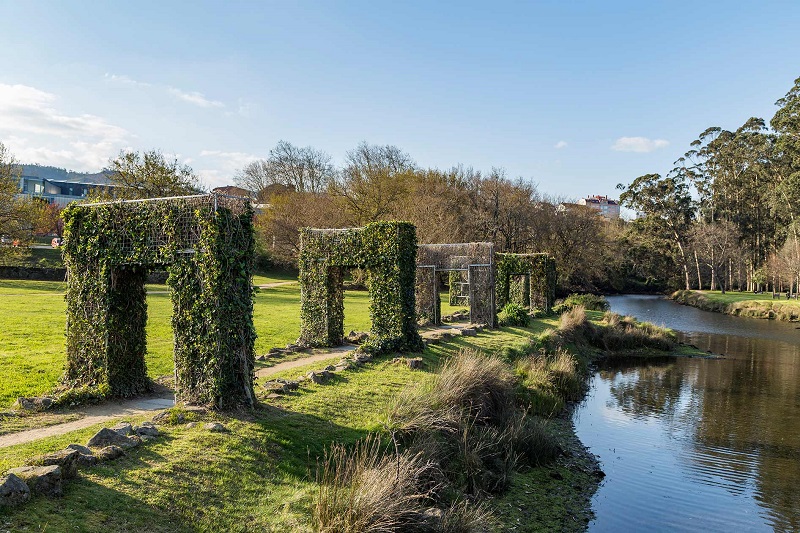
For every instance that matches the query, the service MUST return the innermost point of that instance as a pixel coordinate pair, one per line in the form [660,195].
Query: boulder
[109,437]
[147,429]
[191,425]
[276,387]
[123,428]
[357,337]
[362,358]
[319,376]
[469,332]
[415,363]
[82,449]
[85,456]
[25,404]
[33,404]
[216,427]
[41,479]
[109,453]
[13,491]
[67,460]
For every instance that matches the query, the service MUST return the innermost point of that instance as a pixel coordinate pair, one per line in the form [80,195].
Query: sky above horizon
[573,96]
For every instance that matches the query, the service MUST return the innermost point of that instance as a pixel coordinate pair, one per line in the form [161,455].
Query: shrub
[513,315]
[566,375]
[548,381]
[592,302]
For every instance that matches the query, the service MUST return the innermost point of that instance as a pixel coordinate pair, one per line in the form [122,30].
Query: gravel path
[92,415]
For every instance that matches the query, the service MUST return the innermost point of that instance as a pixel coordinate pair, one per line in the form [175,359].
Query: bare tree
[374,182]
[302,169]
[17,213]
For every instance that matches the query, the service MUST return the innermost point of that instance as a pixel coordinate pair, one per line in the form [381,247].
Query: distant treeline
[728,215]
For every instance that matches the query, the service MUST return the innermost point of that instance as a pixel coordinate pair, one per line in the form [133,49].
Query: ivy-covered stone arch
[205,243]
[387,251]
[538,289]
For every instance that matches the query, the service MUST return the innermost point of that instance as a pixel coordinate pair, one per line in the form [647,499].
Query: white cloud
[638,144]
[37,132]
[125,80]
[194,98]
[560,144]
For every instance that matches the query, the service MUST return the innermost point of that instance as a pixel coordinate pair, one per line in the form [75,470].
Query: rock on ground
[147,429]
[41,479]
[108,437]
[109,453]
[13,491]
[216,427]
[67,460]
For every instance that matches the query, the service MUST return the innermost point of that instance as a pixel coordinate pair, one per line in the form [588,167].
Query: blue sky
[574,96]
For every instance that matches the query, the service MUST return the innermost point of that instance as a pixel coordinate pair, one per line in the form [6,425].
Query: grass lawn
[744,304]
[260,474]
[735,296]
[32,351]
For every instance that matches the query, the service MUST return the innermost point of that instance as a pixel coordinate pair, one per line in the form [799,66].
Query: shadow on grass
[190,478]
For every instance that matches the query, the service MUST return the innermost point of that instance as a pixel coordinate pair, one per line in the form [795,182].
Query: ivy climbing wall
[206,244]
[387,251]
[537,286]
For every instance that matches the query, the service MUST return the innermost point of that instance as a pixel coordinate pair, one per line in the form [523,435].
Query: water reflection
[691,444]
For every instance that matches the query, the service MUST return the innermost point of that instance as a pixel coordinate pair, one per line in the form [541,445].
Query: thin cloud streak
[638,144]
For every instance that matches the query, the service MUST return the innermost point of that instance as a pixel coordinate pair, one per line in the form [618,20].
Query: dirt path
[108,411]
[321,356]
[275,284]
[91,415]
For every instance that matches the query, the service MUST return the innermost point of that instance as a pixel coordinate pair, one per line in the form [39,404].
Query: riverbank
[742,304]
[262,472]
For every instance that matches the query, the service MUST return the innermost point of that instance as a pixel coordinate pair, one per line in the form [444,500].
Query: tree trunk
[699,279]
[685,265]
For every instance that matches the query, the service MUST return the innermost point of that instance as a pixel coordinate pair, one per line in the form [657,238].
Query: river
[694,444]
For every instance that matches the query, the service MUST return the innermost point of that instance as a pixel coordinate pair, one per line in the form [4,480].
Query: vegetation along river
[693,444]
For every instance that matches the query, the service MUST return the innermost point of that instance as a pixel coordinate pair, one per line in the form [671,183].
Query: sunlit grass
[32,326]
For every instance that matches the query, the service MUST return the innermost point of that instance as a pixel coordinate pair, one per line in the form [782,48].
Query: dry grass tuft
[364,489]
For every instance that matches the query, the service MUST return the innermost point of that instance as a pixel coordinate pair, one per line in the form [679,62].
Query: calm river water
[699,444]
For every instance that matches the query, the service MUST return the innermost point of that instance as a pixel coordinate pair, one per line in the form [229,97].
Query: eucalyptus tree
[786,161]
[667,206]
[731,171]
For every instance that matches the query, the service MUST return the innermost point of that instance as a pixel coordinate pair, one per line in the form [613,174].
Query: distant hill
[62,174]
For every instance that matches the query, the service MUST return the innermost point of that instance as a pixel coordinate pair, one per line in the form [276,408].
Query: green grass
[742,304]
[32,349]
[732,297]
[257,476]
